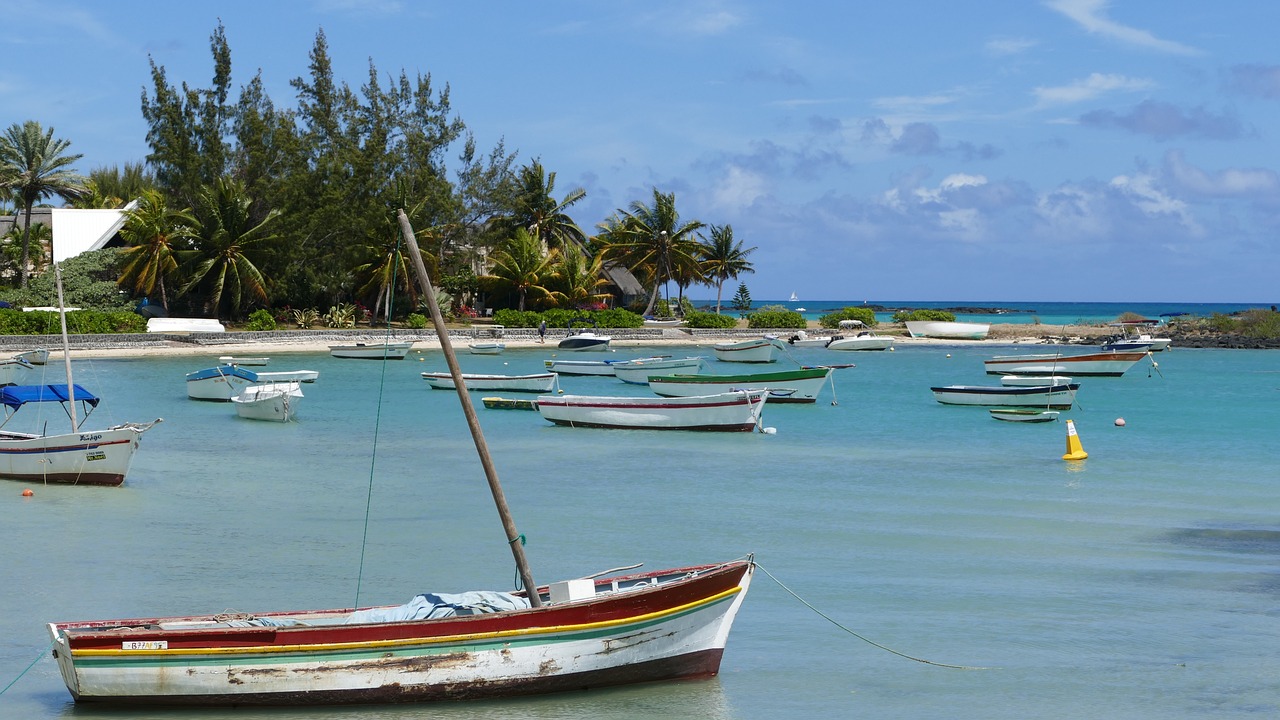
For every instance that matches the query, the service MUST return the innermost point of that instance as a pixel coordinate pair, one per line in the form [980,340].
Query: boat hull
[763,350]
[638,372]
[947,330]
[273,402]
[580,367]
[14,371]
[621,633]
[727,412]
[1024,415]
[861,342]
[219,384]
[1090,365]
[585,342]
[491,348]
[362,351]
[793,386]
[537,383]
[1048,397]
[89,457]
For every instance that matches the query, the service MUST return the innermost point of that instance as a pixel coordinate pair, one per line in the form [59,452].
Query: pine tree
[742,300]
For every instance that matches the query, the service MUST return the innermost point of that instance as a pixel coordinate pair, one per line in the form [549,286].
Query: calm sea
[1142,582]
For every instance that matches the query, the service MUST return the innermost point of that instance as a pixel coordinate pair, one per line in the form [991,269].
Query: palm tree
[537,210]
[577,278]
[156,234]
[222,266]
[723,259]
[652,242]
[520,264]
[389,270]
[33,166]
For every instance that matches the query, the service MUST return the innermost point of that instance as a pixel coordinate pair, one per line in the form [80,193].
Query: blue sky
[1056,150]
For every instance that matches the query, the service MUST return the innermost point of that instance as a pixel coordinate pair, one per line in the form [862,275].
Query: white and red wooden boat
[726,412]
[1098,364]
[578,634]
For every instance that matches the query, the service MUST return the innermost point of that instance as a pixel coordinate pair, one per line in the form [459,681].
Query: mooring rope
[28,668]
[864,639]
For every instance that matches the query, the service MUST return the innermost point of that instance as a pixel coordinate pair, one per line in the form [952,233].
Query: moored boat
[14,371]
[725,412]
[1098,364]
[638,372]
[486,348]
[866,340]
[585,341]
[586,367]
[947,330]
[756,350]
[242,360]
[789,386]
[1023,415]
[1049,397]
[273,401]
[501,403]
[39,356]
[536,382]
[804,339]
[1025,380]
[223,382]
[372,351]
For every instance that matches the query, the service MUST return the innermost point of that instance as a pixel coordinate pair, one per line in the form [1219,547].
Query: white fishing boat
[372,351]
[1049,397]
[276,402]
[866,340]
[1023,415]
[223,382]
[1032,380]
[486,348]
[1096,364]
[75,457]
[243,360]
[804,339]
[947,330]
[727,412]
[587,367]
[534,383]
[638,371]
[757,350]
[39,356]
[14,371]
[603,629]
[788,386]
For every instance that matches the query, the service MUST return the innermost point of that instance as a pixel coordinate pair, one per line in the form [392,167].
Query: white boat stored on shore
[536,383]
[727,412]
[756,350]
[947,330]
[1097,364]
[1048,397]
[275,402]
[372,351]
[639,371]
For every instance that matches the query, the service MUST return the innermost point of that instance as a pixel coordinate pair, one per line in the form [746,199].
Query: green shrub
[342,315]
[415,321]
[517,318]
[832,320]
[697,319]
[305,318]
[617,318]
[261,320]
[924,316]
[79,322]
[1260,323]
[770,318]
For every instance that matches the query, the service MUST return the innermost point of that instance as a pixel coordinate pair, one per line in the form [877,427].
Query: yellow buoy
[1074,450]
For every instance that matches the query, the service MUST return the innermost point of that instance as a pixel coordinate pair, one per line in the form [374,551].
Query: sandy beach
[296,341]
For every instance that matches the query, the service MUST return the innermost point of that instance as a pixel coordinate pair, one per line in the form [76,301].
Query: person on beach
[542,331]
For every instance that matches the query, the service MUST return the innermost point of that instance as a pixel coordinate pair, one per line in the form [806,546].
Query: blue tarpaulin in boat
[440,605]
[15,396]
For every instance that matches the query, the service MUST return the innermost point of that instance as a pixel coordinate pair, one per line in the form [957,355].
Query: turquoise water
[1045,313]
[1140,583]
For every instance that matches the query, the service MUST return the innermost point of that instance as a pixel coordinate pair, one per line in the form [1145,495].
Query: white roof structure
[79,231]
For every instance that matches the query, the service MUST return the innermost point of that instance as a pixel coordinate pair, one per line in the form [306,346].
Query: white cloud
[1232,182]
[1095,85]
[1092,16]
[1141,190]
[739,189]
[1002,47]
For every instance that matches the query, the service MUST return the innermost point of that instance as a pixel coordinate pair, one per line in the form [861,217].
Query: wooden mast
[514,539]
[66,352]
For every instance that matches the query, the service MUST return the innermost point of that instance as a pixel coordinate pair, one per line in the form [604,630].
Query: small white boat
[249,361]
[756,350]
[501,403]
[587,367]
[866,340]
[728,412]
[1024,415]
[486,348]
[14,371]
[224,382]
[789,386]
[639,371]
[39,356]
[804,339]
[537,382]
[276,402]
[663,322]
[947,330]
[585,341]
[1048,397]
[372,351]
[1033,380]
[1097,364]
